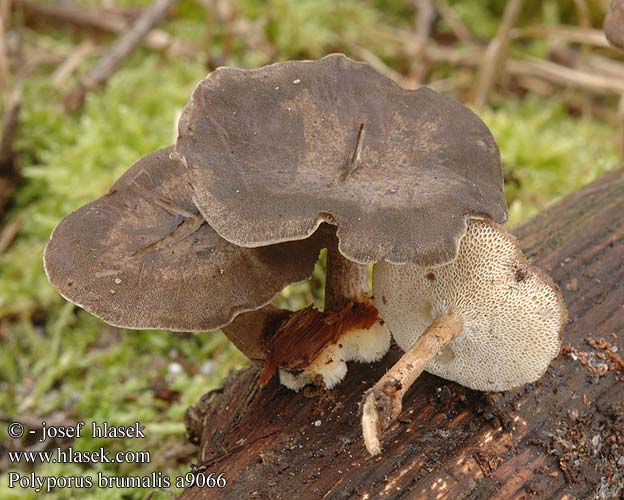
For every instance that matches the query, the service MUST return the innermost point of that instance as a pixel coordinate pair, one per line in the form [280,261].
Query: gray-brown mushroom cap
[274,151]
[614,24]
[143,257]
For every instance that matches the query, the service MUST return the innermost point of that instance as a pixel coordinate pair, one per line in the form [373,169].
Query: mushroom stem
[247,331]
[345,281]
[383,402]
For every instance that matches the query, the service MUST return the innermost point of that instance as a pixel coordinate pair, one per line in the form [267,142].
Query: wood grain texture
[561,437]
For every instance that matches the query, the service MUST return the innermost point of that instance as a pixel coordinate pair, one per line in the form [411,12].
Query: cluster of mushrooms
[271,165]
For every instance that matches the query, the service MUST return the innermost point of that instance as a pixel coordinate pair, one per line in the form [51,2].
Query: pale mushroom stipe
[273,164]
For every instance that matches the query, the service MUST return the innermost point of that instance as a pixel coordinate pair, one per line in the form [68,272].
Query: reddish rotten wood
[562,436]
[302,337]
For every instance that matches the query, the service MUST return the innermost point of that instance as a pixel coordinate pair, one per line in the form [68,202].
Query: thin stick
[424,22]
[5,8]
[8,163]
[545,70]
[86,17]
[9,232]
[600,64]
[102,20]
[4,56]
[64,70]
[227,13]
[575,34]
[621,119]
[384,401]
[119,51]
[496,53]
[368,57]
[455,23]
[470,56]
[545,89]
[556,73]
[10,123]
[585,22]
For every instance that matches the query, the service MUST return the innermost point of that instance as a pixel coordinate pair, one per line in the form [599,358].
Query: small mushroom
[143,257]
[488,320]
[614,24]
[274,152]
[270,160]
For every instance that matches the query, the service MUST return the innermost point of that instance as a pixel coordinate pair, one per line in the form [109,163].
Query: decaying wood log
[561,437]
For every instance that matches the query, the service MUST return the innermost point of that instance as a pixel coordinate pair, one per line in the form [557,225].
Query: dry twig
[87,17]
[455,23]
[64,70]
[537,68]
[621,119]
[496,53]
[10,123]
[585,22]
[9,232]
[562,75]
[4,53]
[368,57]
[8,165]
[573,34]
[424,22]
[599,64]
[102,20]
[118,52]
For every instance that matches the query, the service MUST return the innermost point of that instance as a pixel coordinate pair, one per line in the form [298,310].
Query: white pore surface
[360,345]
[512,314]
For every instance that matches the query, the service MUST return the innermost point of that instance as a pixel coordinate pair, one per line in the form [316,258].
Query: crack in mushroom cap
[274,151]
[143,257]
[513,313]
[614,24]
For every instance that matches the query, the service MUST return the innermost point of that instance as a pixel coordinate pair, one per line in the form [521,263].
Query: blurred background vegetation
[556,130]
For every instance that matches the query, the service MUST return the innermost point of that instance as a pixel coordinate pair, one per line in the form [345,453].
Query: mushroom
[143,257]
[614,24]
[274,152]
[488,320]
[312,347]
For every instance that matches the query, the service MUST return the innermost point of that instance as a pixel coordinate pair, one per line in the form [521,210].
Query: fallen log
[561,437]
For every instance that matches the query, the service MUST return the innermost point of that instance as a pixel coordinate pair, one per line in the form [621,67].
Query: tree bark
[562,436]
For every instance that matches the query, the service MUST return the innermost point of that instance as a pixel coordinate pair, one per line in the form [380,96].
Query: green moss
[547,153]
[69,160]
